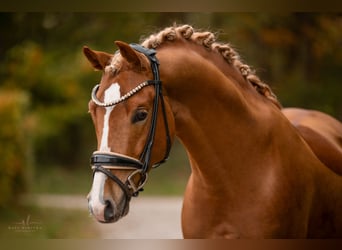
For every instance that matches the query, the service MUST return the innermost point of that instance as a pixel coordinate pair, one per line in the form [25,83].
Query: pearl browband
[121,99]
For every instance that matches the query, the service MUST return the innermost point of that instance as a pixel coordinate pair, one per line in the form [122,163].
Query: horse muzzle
[104,208]
[102,204]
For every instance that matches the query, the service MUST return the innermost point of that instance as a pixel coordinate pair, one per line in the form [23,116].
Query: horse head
[134,127]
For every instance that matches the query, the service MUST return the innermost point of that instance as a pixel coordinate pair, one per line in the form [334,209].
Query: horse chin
[119,215]
[120,211]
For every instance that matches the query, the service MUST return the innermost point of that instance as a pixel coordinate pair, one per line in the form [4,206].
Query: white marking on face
[96,201]
[111,94]
[96,198]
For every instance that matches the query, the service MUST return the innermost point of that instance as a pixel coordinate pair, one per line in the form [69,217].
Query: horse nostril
[109,211]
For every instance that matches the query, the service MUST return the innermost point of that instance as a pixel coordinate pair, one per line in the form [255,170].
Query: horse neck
[215,119]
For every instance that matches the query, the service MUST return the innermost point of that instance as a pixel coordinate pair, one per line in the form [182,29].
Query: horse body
[248,164]
[253,174]
[322,132]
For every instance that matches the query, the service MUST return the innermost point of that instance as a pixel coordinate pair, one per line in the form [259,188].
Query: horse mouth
[111,217]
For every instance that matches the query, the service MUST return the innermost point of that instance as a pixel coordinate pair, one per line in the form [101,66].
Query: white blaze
[96,201]
[111,94]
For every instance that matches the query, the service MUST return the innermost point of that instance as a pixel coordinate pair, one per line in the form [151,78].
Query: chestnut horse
[322,132]
[254,175]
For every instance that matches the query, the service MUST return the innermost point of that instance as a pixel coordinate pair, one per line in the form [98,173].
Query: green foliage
[15,149]
[59,100]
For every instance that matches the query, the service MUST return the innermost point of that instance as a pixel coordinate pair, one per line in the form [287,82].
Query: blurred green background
[46,134]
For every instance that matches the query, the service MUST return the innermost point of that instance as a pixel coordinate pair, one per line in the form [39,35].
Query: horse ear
[128,53]
[98,59]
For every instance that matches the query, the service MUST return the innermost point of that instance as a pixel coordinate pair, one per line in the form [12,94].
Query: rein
[105,161]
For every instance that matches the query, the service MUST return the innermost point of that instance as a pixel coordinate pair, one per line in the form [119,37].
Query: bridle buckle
[142,182]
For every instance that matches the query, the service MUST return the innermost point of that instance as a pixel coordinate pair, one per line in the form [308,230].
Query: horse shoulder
[321,132]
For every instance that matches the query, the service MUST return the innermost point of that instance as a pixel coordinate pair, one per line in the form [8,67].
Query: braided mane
[208,40]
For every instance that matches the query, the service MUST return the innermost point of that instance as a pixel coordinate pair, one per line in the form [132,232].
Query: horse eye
[139,116]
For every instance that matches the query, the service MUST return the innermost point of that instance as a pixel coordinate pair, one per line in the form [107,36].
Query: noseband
[104,161]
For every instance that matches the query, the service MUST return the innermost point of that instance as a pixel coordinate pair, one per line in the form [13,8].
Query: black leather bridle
[104,161]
